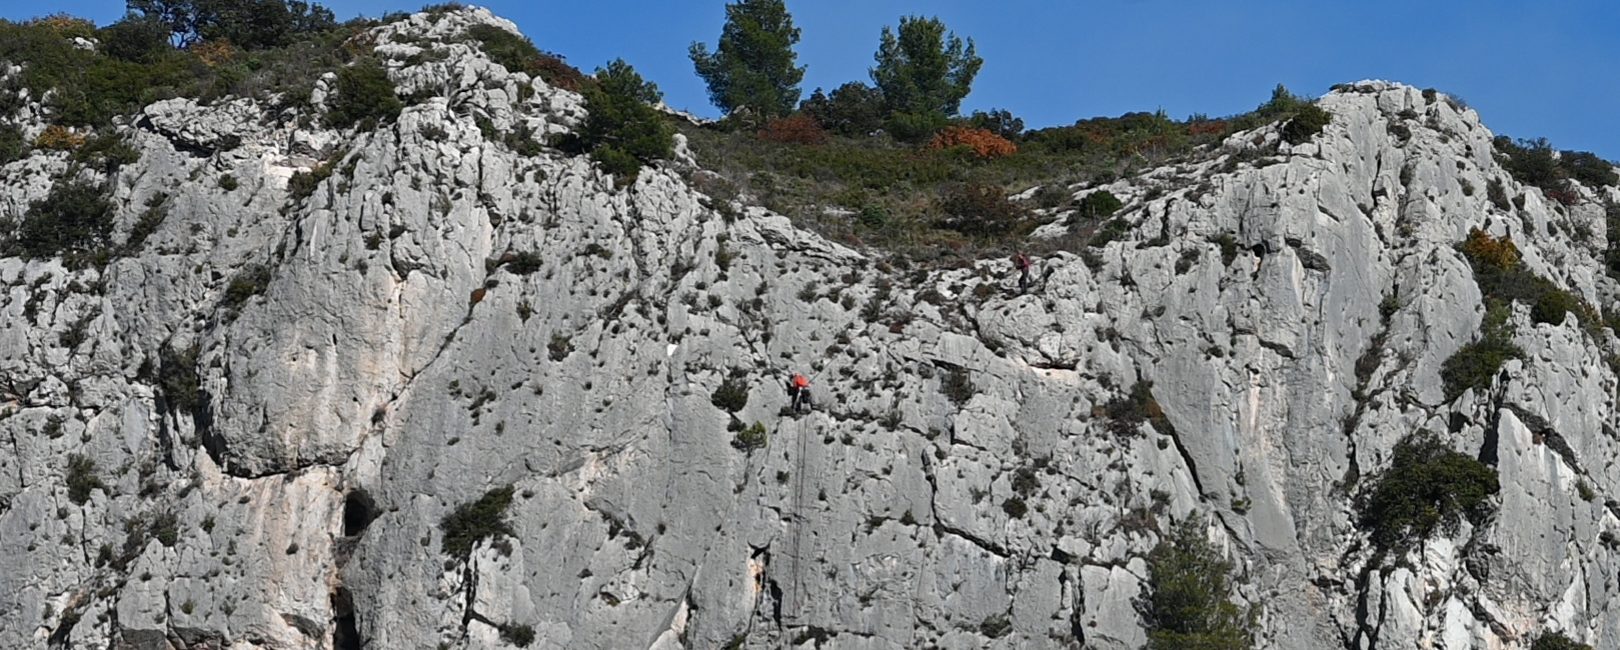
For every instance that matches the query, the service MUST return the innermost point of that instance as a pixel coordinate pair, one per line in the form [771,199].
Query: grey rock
[393,366]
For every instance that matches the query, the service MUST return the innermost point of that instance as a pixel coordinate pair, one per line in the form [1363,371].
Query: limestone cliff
[284,394]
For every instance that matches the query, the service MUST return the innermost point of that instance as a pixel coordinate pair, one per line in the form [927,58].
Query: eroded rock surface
[273,470]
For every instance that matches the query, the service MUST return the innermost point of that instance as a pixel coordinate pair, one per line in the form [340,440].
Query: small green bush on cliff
[1188,603]
[476,521]
[1557,641]
[1428,488]
[363,97]
[75,221]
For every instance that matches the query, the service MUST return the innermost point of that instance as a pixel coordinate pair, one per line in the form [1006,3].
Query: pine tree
[623,130]
[923,71]
[753,66]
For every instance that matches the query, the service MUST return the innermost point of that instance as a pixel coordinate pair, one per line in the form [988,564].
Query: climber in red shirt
[799,388]
[1021,262]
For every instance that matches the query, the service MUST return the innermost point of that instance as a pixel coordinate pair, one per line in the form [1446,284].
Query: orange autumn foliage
[984,144]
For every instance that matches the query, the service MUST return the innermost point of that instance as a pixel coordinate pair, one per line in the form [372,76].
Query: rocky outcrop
[283,396]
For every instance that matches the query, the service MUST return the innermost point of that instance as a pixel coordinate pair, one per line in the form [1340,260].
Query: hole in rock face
[345,636]
[358,512]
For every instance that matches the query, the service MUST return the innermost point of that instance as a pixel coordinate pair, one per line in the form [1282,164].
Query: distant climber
[799,390]
[1021,262]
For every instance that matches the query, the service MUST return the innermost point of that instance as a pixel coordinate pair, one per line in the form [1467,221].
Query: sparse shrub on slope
[1588,169]
[251,281]
[364,96]
[1535,162]
[1127,413]
[1188,603]
[13,146]
[81,478]
[1428,488]
[136,65]
[1557,641]
[732,395]
[794,129]
[1502,276]
[473,522]
[751,438]
[1475,365]
[979,209]
[1306,123]
[624,131]
[1098,204]
[75,221]
[518,54]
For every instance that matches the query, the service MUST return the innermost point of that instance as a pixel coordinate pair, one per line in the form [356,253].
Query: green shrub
[1428,488]
[623,131]
[1557,641]
[957,385]
[1127,413]
[996,626]
[1098,205]
[560,347]
[165,527]
[1588,169]
[473,522]
[751,438]
[732,395]
[249,24]
[914,128]
[248,282]
[13,146]
[81,478]
[1498,195]
[1281,104]
[302,184]
[979,209]
[1554,304]
[853,109]
[178,380]
[525,263]
[518,635]
[135,39]
[1475,365]
[363,97]
[998,121]
[1015,507]
[1188,600]
[106,152]
[1308,121]
[518,54]
[75,221]
[228,182]
[1530,162]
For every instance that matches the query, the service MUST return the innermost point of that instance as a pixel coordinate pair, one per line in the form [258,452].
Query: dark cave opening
[345,635]
[358,512]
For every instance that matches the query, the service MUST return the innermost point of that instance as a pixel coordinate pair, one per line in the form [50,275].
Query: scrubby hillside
[285,371]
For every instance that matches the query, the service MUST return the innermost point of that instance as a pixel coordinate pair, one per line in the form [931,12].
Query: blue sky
[1547,68]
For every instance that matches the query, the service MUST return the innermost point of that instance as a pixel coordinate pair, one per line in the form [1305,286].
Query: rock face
[283,396]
